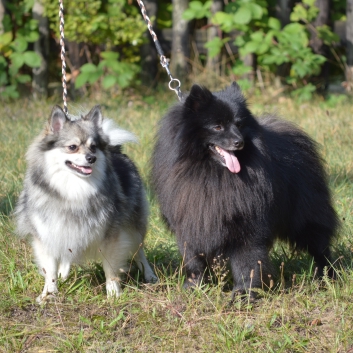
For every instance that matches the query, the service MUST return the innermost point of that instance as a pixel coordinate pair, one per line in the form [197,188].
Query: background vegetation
[301,46]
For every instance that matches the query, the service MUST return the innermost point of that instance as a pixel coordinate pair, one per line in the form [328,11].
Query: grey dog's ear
[95,115]
[57,119]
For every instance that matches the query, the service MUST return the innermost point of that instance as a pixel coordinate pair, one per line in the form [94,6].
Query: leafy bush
[262,35]
[113,70]
[107,27]
[19,30]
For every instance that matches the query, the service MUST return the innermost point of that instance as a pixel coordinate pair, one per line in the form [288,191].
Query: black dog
[229,185]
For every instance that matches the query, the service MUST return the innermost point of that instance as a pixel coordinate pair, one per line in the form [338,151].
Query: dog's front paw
[43,298]
[151,278]
[48,293]
[113,289]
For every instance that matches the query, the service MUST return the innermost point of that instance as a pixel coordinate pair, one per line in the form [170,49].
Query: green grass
[300,315]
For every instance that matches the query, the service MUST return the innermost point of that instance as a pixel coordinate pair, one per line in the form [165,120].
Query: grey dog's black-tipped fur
[280,192]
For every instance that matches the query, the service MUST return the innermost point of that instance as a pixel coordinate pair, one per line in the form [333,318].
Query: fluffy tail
[117,136]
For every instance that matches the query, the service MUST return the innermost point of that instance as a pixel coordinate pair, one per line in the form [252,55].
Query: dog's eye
[238,124]
[93,148]
[72,148]
[218,128]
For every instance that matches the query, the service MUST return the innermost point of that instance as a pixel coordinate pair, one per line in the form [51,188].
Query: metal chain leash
[163,59]
[62,55]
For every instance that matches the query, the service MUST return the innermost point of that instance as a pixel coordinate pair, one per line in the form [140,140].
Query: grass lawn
[299,314]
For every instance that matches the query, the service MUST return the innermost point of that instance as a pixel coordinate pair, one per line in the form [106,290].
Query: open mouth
[227,158]
[83,170]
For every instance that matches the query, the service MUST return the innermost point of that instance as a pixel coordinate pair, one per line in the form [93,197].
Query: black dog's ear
[95,115]
[57,119]
[235,91]
[235,86]
[199,97]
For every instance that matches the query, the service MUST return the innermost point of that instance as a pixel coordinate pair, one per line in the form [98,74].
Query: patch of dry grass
[301,315]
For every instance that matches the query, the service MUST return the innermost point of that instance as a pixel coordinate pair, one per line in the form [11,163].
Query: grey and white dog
[83,199]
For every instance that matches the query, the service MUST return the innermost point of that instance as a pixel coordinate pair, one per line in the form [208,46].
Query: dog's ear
[199,97]
[235,86]
[57,119]
[95,115]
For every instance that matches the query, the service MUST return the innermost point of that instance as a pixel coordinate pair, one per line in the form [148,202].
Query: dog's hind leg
[115,251]
[195,268]
[316,239]
[48,266]
[112,265]
[144,266]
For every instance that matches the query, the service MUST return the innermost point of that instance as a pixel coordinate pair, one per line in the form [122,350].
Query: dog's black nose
[238,144]
[90,158]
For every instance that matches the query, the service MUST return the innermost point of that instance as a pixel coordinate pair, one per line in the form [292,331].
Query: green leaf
[108,81]
[3,61]
[262,49]
[243,15]
[23,78]
[299,13]
[250,47]
[81,79]
[17,60]
[215,45]
[328,37]
[231,7]
[304,93]
[32,36]
[116,66]
[10,92]
[240,69]
[5,39]
[88,68]
[196,5]
[239,41]
[310,3]
[95,76]
[257,36]
[197,10]
[256,11]
[19,44]
[224,20]
[3,79]
[189,15]
[109,55]
[124,79]
[274,23]
[32,59]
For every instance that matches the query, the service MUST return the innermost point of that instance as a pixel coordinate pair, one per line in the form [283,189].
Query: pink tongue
[231,162]
[86,170]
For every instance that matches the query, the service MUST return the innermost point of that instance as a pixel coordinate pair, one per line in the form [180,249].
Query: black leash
[163,59]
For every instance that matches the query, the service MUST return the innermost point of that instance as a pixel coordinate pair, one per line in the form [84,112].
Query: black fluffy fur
[280,192]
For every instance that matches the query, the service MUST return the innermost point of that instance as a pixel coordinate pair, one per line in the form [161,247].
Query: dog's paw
[44,298]
[151,278]
[192,283]
[113,289]
[48,293]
